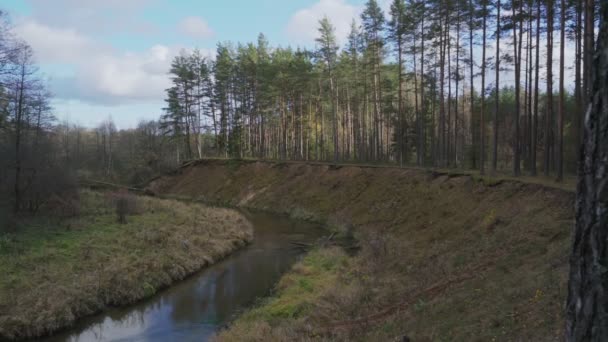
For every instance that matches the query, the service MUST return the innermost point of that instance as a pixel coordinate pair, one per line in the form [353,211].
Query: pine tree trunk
[482,123]
[448,142]
[441,134]
[588,54]
[549,114]
[530,144]
[421,129]
[456,85]
[472,90]
[400,97]
[536,92]
[560,121]
[517,44]
[587,304]
[497,94]
[578,96]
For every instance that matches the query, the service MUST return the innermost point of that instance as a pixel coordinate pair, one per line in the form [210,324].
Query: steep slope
[443,257]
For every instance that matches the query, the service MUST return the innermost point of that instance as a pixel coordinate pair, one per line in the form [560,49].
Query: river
[196,308]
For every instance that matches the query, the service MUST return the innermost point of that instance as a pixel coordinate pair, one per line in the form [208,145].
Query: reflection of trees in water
[99,328]
[232,286]
[214,296]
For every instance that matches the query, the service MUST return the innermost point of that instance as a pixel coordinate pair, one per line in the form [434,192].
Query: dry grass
[284,316]
[443,257]
[55,271]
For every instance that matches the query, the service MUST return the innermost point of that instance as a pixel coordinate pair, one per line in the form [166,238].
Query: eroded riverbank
[443,256]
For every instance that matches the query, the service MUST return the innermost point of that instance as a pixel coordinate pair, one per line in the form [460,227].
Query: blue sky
[110,57]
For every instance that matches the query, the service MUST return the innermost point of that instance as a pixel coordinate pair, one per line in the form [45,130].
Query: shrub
[6,243]
[125,203]
[54,187]
[65,204]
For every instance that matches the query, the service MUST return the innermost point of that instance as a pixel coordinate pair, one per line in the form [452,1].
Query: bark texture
[587,305]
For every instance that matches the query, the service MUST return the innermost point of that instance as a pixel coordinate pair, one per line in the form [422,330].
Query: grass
[57,270]
[443,257]
[294,299]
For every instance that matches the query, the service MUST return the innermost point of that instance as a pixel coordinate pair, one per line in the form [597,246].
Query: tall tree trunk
[416,106]
[482,123]
[536,91]
[588,54]
[334,108]
[421,129]
[549,115]
[18,136]
[531,146]
[434,125]
[497,94]
[400,96]
[560,120]
[377,99]
[448,139]
[578,95]
[472,90]
[457,75]
[587,304]
[441,134]
[517,46]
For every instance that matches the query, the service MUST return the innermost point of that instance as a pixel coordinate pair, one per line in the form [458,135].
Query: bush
[125,203]
[64,205]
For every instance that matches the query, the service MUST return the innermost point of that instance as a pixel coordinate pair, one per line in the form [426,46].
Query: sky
[105,58]
[110,58]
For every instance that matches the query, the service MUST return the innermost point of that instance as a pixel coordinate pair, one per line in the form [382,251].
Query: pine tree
[373,24]
[327,52]
[397,29]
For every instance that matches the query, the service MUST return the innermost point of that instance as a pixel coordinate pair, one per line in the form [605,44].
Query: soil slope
[443,257]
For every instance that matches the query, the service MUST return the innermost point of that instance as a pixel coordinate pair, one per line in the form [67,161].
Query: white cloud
[56,44]
[91,16]
[385,6]
[303,25]
[195,27]
[101,73]
[91,77]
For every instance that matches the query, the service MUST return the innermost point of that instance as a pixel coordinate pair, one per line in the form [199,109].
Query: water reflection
[197,307]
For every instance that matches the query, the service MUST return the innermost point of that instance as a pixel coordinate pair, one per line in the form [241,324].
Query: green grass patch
[300,288]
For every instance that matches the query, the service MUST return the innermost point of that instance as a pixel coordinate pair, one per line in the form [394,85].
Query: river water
[196,308]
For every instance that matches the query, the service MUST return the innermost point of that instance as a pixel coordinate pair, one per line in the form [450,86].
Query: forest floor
[443,256]
[56,270]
